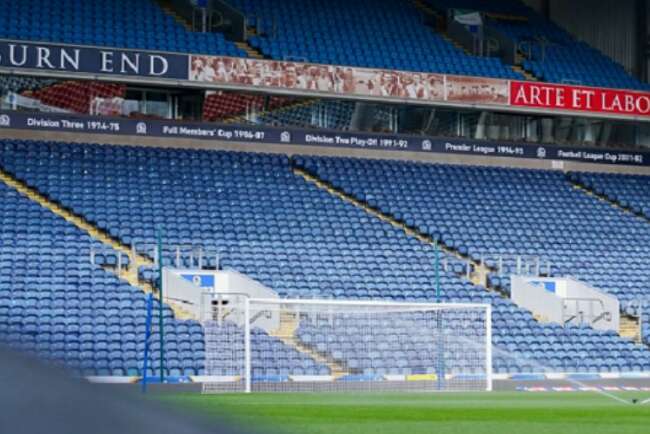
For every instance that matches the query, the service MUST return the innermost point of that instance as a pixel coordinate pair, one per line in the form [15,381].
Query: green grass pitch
[401,413]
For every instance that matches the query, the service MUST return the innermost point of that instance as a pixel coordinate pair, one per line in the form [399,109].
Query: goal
[324,345]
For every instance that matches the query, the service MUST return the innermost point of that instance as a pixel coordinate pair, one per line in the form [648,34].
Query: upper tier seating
[138,24]
[563,59]
[483,211]
[370,33]
[299,240]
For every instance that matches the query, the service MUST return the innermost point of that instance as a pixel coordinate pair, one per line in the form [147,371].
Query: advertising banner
[579,99]
[321,80]
[418,87]
[477,90]
[307,138]
[340,80]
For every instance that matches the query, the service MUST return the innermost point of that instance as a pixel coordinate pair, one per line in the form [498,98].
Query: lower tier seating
[486,212]
[58,306]
[629,191]
[303,242]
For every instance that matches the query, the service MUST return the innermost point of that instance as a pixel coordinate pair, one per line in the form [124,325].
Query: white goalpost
[325,345]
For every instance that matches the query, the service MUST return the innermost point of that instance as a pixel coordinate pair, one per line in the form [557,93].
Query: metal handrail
[103,250]
[523,263]
[592,318]
[197,253]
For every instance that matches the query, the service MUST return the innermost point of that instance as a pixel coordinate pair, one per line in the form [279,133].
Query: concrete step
[286,332]
[629,328]
[525,73]
[169,10]
[252,52]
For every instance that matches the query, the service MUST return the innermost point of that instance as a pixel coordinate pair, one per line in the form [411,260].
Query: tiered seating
[222,105]
[563,60]
[371,33]
[487,211]
[304,242]
[77,96]
[58,306]
[139,24]
[55,304]
[630,191]
[367,33]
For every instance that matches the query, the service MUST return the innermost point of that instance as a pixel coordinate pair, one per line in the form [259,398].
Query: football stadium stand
[323,114]
[58,306]
[330,228]
[312,245]
[629,191]
[505,211]
[377,33]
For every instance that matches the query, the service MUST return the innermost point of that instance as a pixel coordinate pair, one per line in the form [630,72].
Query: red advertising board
[579,99]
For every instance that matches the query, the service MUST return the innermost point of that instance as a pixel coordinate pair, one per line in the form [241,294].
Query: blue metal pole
[147,336]
[160,309]
[441,351]
[437,270]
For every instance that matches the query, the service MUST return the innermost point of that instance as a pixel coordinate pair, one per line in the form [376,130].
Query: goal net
[322,345]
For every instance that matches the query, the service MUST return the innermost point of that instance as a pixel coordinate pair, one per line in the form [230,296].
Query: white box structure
[324,345]
[565,300]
